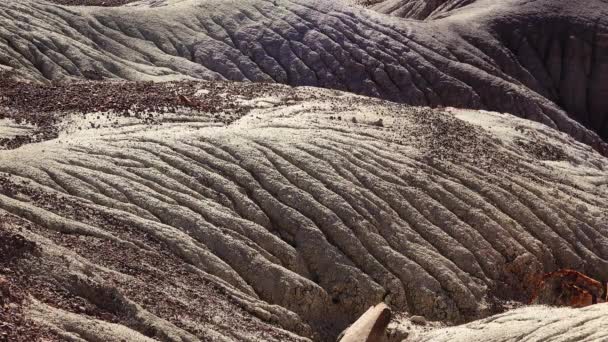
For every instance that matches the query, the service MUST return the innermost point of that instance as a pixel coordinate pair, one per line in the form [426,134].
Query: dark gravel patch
[33,101]
[14,290]
[104,3]
[43,105]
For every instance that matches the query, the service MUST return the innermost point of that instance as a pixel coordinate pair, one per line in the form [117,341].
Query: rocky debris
[569,288]
[419,9]
[14,246]
[103,3]
[15,326]
[45,105]
[45,131]
[367,3]
[448,139]
[39,99]
[542,151]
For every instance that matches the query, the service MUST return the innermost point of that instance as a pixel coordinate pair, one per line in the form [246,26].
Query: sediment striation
[251,211]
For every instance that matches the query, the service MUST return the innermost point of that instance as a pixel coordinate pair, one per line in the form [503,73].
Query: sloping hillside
[265,212]
[437,156]
[541,60]
[539,324]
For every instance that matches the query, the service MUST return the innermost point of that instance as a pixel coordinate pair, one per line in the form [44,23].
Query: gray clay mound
[283,214]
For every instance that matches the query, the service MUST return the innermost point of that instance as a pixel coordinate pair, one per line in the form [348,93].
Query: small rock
[379,123]
[419,320]
[185,100]
[4,286]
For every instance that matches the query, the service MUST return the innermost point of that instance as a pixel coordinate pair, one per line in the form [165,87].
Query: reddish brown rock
[569,288]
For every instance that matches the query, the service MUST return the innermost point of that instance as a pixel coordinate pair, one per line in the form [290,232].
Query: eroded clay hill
[240,212]
[541,60]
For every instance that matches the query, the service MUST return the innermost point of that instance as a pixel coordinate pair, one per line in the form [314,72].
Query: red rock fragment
[567,287]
